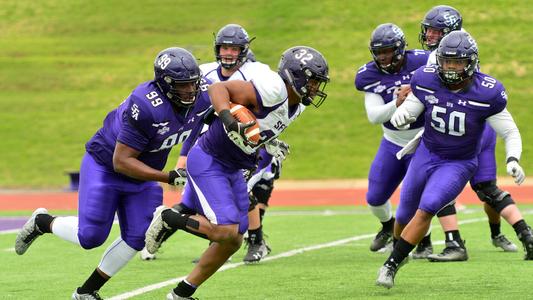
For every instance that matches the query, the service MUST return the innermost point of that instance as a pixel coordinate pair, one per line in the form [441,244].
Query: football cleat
[29,232]
[173,296]
[422,251]
[89,296]
[386,276]
[145,255]
[526,237]
[451,253]
[502,242]
[157,231]
[381,240]
[256,252]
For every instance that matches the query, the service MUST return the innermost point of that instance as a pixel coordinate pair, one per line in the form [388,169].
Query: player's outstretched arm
[407,112]
[505,127]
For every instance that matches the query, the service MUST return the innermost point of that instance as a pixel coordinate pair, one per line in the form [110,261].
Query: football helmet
[306,71]
[388,36]
[443,18]
[178,76]
[233,35]
[458,47]
[250,56]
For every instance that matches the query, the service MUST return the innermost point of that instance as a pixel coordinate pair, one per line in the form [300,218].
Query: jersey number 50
[456,121]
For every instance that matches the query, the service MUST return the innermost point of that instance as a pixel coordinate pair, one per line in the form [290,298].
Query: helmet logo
[163,61]
[167,79]
[449,19]
[303,56]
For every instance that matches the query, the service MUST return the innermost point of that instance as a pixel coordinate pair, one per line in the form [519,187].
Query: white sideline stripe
[159,285]
[290,253]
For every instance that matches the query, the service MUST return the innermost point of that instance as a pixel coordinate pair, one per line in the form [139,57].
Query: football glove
[177,177]
[236,131]
[277,148]
[401,119]
[515,170]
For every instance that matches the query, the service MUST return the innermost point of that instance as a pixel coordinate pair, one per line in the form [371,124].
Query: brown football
[244,115]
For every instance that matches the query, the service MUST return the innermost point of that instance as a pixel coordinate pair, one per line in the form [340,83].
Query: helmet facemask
[394,54]
[455,70]
[183,93]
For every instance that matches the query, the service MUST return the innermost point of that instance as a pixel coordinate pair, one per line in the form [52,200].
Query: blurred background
[64,64]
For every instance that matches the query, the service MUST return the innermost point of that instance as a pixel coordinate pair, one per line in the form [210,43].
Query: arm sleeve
[412,105]
[505,127]
[376,110]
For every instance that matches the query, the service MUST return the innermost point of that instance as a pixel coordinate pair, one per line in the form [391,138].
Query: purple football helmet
[388,36]
[457,47]
[306,71]
[177,75]
[442,18]
[232,35]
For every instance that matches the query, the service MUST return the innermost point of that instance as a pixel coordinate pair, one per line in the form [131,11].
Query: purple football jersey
[371,80]
[146,122]
[455,120]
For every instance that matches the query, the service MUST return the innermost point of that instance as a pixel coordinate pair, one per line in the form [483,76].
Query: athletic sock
[185,289]
[454,237]
[399,253]
[43,222]
[494,229]
[520,226]
[255,236]
[93,283]
[388,225]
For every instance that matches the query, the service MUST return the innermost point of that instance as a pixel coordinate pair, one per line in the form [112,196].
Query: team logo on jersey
[135,112]
[380,88]
[432,99]
[163,128]
[461,102]
[504,95]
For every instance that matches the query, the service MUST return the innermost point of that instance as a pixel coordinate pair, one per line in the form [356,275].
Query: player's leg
[411,192]
[96,207]
[454,249]
[502,203]
[257,246]
[386,173]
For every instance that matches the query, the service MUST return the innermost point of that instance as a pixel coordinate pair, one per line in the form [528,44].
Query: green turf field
[52,268]
[65,64]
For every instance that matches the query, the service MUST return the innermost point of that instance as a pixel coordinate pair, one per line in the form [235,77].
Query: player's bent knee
[91,237]
[448,210]
[491,194]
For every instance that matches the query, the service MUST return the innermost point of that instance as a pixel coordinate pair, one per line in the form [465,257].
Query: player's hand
[277,148]
[401,93]
[515,170]
[236,131]
[177,177]
[241,142]
[401,119]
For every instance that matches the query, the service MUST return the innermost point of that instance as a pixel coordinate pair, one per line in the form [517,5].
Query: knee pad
[263,190]
[91,237]
[491,194]
[448,210]
[253,202]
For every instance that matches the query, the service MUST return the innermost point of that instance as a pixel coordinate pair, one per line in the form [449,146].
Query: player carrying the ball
[217,189]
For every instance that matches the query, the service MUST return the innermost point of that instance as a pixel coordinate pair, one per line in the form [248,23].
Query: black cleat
[526,237]
[452,252]
[383,237]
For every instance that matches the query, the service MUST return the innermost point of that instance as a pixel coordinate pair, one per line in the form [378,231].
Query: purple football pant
[431,183]
[102,193]
[486,170]
[216,191]
[386,173]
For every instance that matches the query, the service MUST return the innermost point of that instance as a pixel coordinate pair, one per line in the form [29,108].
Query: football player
[122,165]
[446,157]
[438,22]
[217,189]
[380,80]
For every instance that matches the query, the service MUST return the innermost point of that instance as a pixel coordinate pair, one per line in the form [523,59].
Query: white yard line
[290,253]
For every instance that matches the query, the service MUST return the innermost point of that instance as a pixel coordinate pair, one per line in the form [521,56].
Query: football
[244,115]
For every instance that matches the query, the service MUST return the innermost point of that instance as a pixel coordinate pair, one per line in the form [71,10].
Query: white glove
[401,119]
[515,170]
[177,177]
[277,148]
[238,140]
